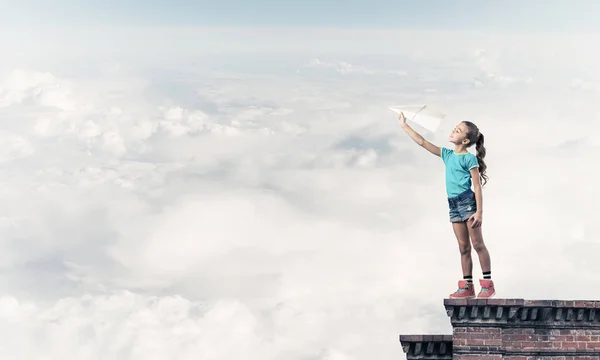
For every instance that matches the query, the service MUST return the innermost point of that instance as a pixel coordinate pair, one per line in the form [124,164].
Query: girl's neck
[460,149]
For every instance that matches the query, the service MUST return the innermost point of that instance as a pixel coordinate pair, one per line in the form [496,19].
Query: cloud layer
[269,206]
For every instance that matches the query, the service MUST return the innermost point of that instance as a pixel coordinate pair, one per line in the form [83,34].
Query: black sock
[469,278]
[487,275]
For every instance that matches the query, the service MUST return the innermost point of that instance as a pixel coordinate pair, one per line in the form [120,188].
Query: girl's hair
[476,137]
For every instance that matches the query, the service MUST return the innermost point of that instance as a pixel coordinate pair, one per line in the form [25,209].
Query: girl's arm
[478,216]
[435,150]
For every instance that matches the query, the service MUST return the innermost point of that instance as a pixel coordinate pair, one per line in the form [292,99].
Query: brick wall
[515,329]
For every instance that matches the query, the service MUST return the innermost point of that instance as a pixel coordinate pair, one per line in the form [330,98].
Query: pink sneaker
[465,291]
[487,289]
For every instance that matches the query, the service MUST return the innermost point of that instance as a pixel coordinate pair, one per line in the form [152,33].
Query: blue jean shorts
[462,206]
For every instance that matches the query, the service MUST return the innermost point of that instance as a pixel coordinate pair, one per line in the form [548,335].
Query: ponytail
[476,137]
[480,148]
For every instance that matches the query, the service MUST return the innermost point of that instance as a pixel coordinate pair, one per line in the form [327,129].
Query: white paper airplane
[424,115]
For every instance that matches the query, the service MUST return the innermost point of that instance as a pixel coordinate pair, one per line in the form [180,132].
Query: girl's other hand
[476,220]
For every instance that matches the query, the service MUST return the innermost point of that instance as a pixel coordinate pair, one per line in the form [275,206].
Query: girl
[464,169]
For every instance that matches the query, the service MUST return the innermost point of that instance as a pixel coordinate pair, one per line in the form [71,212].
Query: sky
[511,15]
[183,190]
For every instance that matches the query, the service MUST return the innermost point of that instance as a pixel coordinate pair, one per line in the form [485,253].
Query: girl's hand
[476,220]
[402,118]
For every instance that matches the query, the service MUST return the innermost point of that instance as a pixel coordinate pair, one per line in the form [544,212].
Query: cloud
[345,68]
[124,325]
[174,207]
[42,88]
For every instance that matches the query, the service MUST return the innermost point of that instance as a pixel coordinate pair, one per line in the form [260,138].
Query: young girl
[464,169]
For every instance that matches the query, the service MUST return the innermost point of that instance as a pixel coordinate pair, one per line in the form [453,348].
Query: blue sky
[531,15]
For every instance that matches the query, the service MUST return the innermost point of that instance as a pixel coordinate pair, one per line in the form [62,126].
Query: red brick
[459,342]
[476,329]
[543,345]
[474,342]
[520,331]
[514,345]
[568,345]
[567,332]
[493,342]
[561,338]
[477,336]
[517,337]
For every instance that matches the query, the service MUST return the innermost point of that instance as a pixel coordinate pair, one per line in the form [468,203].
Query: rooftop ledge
[520,312]
[486,329]
[427,346]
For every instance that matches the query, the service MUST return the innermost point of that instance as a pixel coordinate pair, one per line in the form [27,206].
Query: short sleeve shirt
[458,171]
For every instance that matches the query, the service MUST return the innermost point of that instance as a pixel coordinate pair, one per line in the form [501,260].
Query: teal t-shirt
[458,171]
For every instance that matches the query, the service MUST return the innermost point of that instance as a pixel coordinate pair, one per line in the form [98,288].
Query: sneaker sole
[473,297]
[487,297]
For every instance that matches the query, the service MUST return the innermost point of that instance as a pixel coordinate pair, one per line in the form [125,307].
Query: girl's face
[459,135]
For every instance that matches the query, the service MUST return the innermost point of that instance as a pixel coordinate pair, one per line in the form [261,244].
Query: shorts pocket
[468,205]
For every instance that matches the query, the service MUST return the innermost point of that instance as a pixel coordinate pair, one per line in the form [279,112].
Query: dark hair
[476,137]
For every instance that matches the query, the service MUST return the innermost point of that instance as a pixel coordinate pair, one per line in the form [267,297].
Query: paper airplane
[422,115]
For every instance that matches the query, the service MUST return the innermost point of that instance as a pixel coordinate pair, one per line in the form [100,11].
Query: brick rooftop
[513,329]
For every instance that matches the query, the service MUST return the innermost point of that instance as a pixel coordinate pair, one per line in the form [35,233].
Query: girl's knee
[464,249]
[479,246]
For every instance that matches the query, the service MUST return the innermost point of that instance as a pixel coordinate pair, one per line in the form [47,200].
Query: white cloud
[177,207]
[124,325]
[21,85]
[344,68]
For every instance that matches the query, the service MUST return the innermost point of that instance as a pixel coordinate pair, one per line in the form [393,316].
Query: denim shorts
[462,206]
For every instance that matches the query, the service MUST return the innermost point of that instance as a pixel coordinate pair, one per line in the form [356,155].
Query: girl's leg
[479,246]
[464,246]
[487,285]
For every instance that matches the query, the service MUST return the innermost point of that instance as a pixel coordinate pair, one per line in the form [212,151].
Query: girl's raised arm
[435,150]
